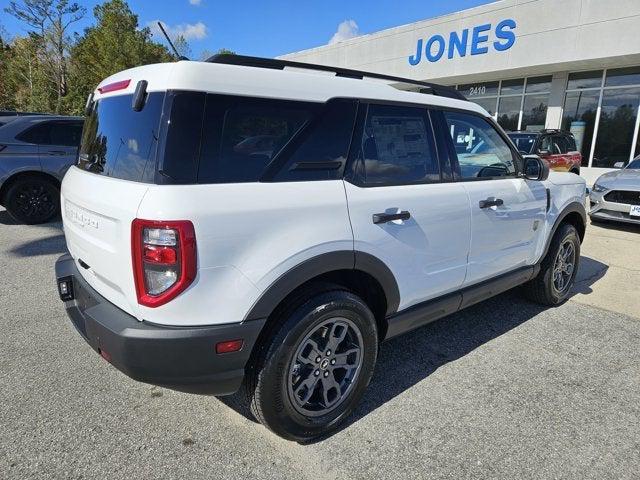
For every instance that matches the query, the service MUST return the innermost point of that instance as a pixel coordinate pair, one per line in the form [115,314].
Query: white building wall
[551,36]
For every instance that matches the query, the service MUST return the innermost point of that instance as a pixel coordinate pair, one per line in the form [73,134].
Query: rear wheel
[316,366]
[558,270]
[33,200]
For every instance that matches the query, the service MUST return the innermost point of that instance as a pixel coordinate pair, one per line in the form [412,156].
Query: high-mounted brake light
[164,259]
[112,87]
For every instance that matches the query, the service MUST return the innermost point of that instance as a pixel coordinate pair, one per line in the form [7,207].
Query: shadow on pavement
[589,272]
[6,219]
[41,246]
[406,360]
[620,226]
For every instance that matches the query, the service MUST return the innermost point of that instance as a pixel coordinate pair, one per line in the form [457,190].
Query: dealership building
[533,64]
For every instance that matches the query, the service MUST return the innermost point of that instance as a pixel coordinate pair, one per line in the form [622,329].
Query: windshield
[635,164]
[119,142]
[523,142]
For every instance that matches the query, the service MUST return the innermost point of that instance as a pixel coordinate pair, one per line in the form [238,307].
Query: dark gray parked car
[35,153]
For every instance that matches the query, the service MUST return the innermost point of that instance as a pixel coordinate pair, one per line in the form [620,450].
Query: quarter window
[241,136]
[481,151]
[321,150]
[397,147]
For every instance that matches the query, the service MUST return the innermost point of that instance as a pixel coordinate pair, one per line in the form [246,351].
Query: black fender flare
[573,207]
[322,264]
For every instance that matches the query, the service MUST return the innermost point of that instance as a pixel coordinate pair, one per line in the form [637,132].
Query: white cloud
[190,31]
[195,2]
[346,30]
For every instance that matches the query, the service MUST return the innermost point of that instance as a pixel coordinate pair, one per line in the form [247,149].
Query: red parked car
[557,147]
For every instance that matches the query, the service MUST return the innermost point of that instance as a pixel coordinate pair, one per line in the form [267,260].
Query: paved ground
[502,390]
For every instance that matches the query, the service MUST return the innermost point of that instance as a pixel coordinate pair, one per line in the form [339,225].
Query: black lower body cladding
[182,358]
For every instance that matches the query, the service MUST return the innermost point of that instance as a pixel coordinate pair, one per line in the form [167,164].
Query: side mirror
[618,165]
[544,152]
[535,168]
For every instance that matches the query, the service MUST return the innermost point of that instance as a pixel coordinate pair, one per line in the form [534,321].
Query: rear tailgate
[97,212]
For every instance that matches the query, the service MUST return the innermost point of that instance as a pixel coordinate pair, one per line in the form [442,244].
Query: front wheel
[315,367]
[558,270]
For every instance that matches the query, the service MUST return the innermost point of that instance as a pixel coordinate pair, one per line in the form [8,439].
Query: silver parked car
[616,195]
[35,153]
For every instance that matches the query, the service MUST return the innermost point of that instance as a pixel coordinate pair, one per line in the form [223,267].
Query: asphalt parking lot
[504,389]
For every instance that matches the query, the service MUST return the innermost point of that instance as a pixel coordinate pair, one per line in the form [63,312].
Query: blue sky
[270,28]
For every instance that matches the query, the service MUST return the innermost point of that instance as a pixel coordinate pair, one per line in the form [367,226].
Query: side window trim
[354,164]
[516,157]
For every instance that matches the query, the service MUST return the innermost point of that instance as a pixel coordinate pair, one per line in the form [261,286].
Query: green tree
[182,46]
[50,21]
[115,43]
[26,84]
[205,54]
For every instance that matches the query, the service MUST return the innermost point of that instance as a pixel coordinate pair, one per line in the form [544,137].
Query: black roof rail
[277,64]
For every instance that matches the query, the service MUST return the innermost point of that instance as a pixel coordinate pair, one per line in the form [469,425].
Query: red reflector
[229,346]
[105,355]
[163,255]
[112,87]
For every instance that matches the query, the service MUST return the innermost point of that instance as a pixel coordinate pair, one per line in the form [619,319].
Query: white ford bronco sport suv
[260,226]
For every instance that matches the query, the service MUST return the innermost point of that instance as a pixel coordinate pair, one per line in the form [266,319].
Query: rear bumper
[182,358]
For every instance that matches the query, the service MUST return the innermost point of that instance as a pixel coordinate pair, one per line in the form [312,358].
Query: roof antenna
[175,51]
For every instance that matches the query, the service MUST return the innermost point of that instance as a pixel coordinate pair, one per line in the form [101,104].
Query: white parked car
[616,195]
[201,266]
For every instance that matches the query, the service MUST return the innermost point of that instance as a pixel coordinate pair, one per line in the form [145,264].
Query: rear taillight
[164,259]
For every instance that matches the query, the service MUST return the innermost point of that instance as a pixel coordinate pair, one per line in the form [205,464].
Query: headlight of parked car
[598,188]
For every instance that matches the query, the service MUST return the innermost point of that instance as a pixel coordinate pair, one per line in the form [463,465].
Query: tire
[280,376]
[545,288]
[32,200]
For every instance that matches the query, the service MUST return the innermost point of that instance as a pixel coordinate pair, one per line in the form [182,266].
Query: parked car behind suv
[556,147]
[276,273]
[616,195]
[35,153]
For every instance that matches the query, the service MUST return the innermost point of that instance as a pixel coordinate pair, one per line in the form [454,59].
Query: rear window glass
[242,135]
[119,142]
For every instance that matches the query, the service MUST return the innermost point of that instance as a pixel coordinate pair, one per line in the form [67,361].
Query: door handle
[56,152]
[390,217]
[491,202]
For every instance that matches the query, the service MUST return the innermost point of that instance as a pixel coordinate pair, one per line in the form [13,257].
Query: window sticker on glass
[400,140]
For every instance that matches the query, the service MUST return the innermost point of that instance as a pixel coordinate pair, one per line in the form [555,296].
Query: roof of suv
[289,84]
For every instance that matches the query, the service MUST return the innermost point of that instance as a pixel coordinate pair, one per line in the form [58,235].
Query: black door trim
[432,310]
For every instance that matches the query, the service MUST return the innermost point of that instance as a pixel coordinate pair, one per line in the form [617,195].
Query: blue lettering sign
[434,57]
[460,42]
[503,34]
[457,43]
[477,39]
[415,59]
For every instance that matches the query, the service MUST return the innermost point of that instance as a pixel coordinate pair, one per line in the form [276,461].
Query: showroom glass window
[607,134]
[516,104]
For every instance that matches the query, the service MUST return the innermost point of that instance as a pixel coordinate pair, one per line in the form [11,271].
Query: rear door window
[242,135]
[560,144]
[119,142]
[397,147]
[65,133]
